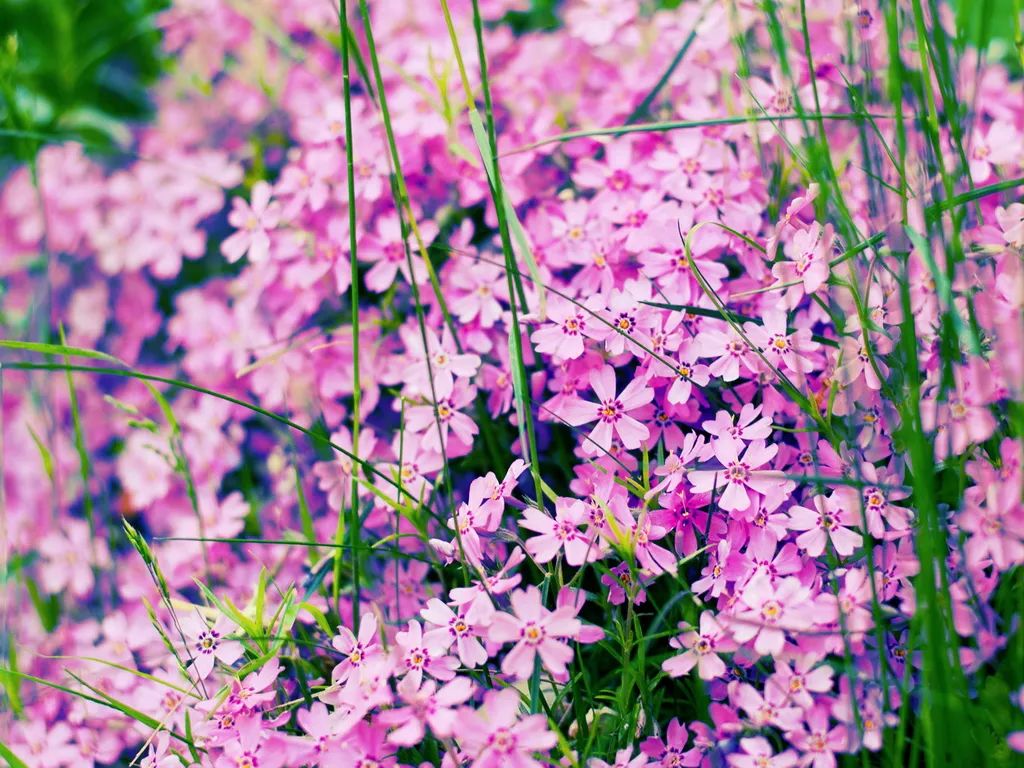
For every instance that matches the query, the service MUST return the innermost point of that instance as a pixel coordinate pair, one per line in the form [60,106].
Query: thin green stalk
[353,521]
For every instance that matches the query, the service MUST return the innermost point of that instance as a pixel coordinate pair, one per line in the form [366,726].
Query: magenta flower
[496,737]
[444,424]
[253,224]
[563,533]
[670,751]
[687,373]
[817,741]
[809,261]
[828,521]
[568,326]
[700,649]
[535,631]
[759,753]
[357,650]
[424,655]
[426,705]
[207,645]
[737,474]
[772,611]
[463,629]
[623,759]
[612,412]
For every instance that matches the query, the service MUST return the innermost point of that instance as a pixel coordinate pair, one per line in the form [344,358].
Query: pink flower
[701,649]
[421,655]
[324,732]
[737,474]
[784,350]
[567,327]
[248,694]
[670,751]
[611,412]
[252,747]
[535,631]
[561,533]
[495,736]
[357,650]
[687,373]
[731,353]
[808,266]
[817,741]
[801,679]
[463,629]
[444,424]
[758,753]
[828,521]
[207,645]
[771,611]
[623,759]
[253,224]
[68,558]
[426,705]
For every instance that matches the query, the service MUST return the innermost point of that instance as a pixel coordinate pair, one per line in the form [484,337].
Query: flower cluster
[686,452]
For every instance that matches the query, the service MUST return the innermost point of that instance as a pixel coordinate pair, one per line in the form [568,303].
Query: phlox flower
[1011,222]
[256,689]
[771,709]
[862,359]
[335,477]
[324,732]
[480,290]
[157,755]
[496,737]
[739,472]
[784,350]
[68,558]
[253,746]
[435,368]
[733,354]
[759,556]
[444,426]
[807,268]
[770,611]
[386,249]
[253,224]
[420,654]
[612,412]
[816,740]
[669,751]
[563,533]
[426,705]
[535,631]
[463,629]
[746,426]
[617,178]
[687,373]
[801,678]
[622,585]
[700,649]
[207,645]
[828,521]
[963,416]
[497,583]
[357,650]
[995,527]
[568,326]
[998,145]
[759,753]
[623,759]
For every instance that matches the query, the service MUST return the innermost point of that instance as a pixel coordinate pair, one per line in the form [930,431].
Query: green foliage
[74,69]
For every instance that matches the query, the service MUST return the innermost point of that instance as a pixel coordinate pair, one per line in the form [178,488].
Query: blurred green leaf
[76,69]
